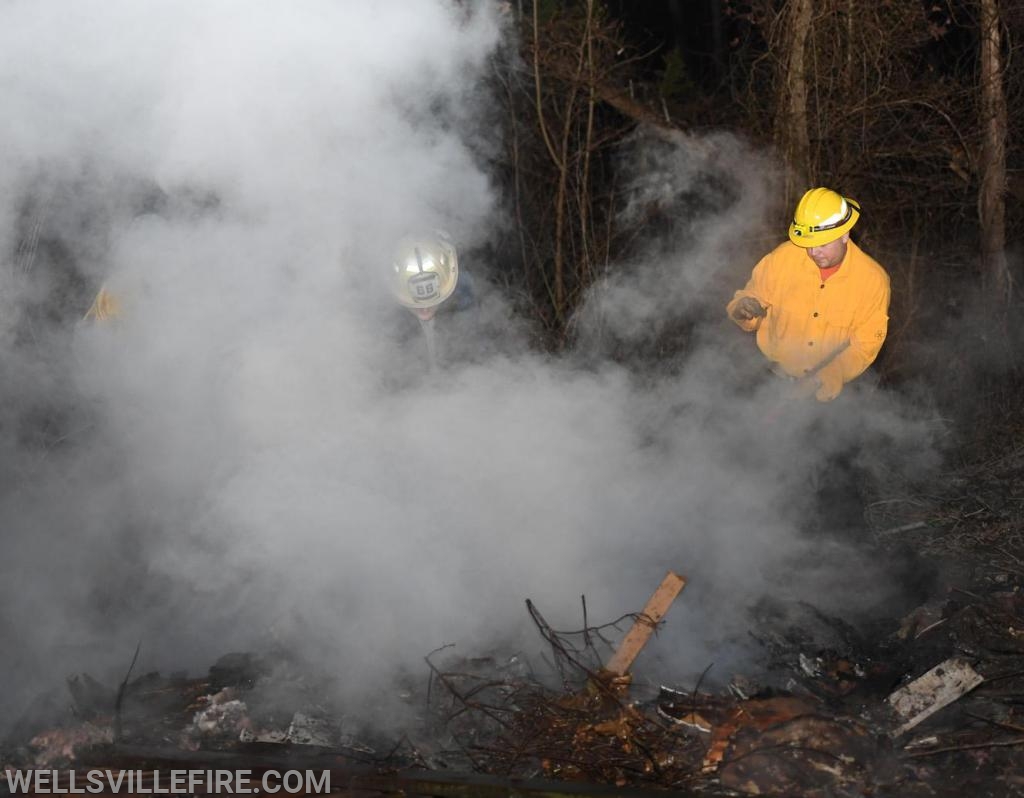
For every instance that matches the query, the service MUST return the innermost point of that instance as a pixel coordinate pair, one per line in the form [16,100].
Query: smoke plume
[254,453]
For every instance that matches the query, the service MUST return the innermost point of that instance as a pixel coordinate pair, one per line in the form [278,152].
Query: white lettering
[18,780]
[321,787]
[95,779]
[43,780]
[71,784]
[193,782]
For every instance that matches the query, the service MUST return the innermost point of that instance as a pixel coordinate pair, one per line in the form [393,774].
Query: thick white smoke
[252,455]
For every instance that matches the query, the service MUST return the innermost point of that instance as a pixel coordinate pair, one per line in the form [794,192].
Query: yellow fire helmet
[822,216]
[424,271]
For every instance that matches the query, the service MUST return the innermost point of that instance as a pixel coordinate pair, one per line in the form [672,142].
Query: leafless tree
[992,161]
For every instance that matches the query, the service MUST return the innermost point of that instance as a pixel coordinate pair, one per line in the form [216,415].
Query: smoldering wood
[646,623]
[811,723]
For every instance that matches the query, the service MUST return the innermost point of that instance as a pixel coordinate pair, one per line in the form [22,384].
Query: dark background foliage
[892,111]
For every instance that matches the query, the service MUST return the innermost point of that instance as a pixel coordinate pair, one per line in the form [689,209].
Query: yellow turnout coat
[809,319]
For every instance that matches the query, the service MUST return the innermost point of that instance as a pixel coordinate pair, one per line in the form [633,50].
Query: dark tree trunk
[992,165]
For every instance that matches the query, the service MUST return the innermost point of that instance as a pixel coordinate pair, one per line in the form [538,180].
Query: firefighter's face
[830,254]
[424,314]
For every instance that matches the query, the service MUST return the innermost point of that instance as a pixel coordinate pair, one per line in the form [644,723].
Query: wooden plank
[643,627]
[932,691]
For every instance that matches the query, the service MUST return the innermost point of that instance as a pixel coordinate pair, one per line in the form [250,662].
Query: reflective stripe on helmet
[841,218]
[822,216]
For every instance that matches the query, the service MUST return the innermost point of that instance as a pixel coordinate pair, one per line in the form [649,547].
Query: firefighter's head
[423,272]
[822,216]
[821,224]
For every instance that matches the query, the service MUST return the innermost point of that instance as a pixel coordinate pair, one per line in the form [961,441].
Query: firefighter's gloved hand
[748,308]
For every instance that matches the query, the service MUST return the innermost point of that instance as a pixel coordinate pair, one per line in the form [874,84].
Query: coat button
[822,285]
[810,343]
[815,315]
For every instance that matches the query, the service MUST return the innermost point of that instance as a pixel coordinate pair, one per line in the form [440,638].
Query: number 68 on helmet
[423,272]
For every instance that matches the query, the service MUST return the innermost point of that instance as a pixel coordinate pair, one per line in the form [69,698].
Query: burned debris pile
[843,723]
[931,703]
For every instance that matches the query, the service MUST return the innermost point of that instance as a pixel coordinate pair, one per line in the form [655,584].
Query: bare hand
[748,308]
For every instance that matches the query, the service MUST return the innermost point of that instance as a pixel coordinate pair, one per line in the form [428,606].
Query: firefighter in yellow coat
[817,303]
